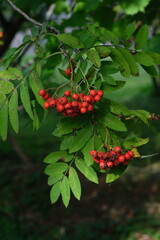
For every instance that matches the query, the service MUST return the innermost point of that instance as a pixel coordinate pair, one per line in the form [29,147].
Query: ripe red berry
[75,104]
[67,93]
[96,159]
[93,93]
[93,153]
[68,71]
[105,155]
[117,149]
[42,92]
[60,107]
[52,103]
[102,165]
[69,111]
[90,107]
[116,162]
[125,162]
[87,98]
[75,96]
[100,93]
[97,98]
[110,164]
[127,156]
[131,153]
[63,100]
[81,95]
[68,105]
[121,158]
[46,96]
[46,105]
[83,110]
[100,154]
[85,105]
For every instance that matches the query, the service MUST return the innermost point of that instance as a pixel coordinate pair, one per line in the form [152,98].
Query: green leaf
[74,182]
[36,85]
[65,191]
[55,177]
[155,57]
[106,35]
[39,50]
[113,122]
[109,67]
[11,74]
[36,121]
[151,70]
[89,146]
[93,56]
[55,168]
[115,173]
[108,79]
[129,30]
[81,138]
[4,120]
[24,94]
[110,88]
[13,111]
[144,59]
[118,108]
[55,156]
[70,40]
[134,6]
[81,70]
[122,62]
[2,99]
[141,37]
[103,51]
[88,172]
[55,192]
[6,87]
[130,59]
[66,142]
[34,31]
[135,142]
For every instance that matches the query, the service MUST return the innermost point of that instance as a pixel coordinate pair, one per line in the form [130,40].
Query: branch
[49,28]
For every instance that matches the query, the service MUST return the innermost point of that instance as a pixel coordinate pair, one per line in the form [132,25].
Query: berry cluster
[72,104]
[111,158]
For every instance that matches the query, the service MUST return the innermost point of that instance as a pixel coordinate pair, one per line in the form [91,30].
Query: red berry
[90,107]
[93,153]
[80,105]
[67,93]
[110,164]
[117,149]
[42,92]
[63,100]
[96,159]
[100,154]
[121,158]
[52,103]
[127,156]
[68,71]
[73,115]
[125,162]
[131,153]
[75,96]
[116,162]
[75,104]
[87,98]
[102,165]
[85,105]
[93,93]
[46,96]
[105,155]
[97,98]
[100,93]
[83,110]
[46,105]
[69,111]
[68,105]
[81,95]
[60,107]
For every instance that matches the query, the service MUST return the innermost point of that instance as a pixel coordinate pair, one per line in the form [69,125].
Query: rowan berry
[97,98]
[121,158]
[83,110]
[68,105]
[87,98]
[127,156]
[67,93]
[52,103]
[93,153]
[75,104]
[85,105]
[42,92]
[117,149]
[68,71]
[75,96]
[110,164]
[63,100]
[93,93]
[102,165]
[59,107]
[46,105]
[46,96]
[90,107]
[100,93]
[131,153]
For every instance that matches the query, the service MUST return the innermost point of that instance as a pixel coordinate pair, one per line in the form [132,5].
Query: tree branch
[49,28]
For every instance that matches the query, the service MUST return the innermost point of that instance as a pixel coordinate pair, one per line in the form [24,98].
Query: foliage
[93,56]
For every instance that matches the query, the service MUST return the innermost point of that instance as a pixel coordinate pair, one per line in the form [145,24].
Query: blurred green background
[128,209]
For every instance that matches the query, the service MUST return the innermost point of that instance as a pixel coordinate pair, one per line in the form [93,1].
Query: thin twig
[49,28]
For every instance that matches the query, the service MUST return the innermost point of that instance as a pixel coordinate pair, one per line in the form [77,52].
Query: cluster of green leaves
[96,53]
